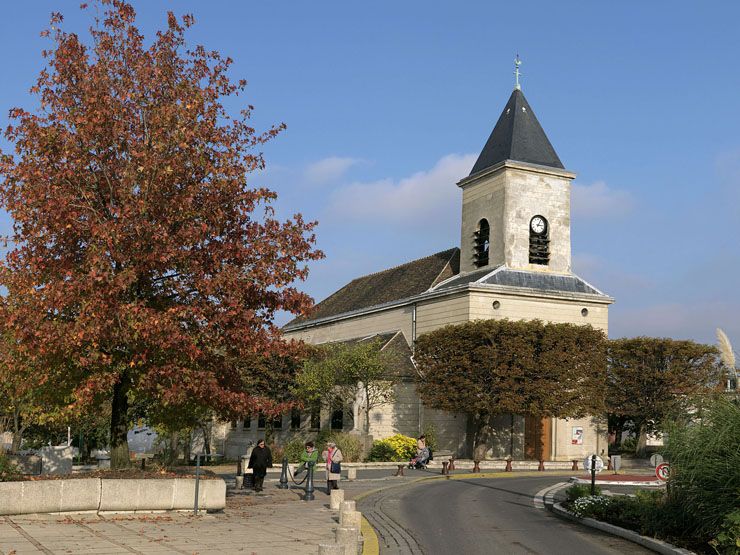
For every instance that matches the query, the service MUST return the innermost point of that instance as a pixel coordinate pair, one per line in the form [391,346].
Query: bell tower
[516,200]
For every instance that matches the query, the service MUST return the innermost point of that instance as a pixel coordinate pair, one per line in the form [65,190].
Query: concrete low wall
[100,495]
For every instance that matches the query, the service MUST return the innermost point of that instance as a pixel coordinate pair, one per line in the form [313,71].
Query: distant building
[513,261]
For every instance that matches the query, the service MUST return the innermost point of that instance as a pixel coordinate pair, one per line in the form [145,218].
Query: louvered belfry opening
[539,244]
[482,240]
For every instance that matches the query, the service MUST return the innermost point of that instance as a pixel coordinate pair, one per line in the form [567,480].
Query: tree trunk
[119,454]
[204,428]
[482,436]
[641,444]
[18,429]
[268,433]
[174,448]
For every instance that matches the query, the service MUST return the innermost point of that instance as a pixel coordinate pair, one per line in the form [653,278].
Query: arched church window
[539,241]
[482,240]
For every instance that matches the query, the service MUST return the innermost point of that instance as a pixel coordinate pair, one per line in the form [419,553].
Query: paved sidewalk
[278,522]
[275,523]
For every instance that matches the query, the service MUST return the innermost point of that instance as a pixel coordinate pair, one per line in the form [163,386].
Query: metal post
[197,482]
[284,475]
[309,483]
[593,474]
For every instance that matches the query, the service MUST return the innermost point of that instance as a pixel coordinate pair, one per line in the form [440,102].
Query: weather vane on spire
[517,63]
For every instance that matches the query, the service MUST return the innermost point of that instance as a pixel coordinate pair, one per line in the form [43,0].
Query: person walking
[259,462]
[310,454]
[333,457]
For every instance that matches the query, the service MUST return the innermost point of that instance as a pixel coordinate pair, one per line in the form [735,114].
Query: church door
[537,438]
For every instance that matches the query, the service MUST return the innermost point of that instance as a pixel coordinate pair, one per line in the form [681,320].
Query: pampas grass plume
[725,349]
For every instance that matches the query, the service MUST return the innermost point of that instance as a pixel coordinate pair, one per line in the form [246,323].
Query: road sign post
[593,474]
[593,464]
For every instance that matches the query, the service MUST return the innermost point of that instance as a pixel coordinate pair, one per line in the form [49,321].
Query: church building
[513,261]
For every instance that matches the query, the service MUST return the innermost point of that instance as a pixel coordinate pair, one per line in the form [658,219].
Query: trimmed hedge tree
[489,367]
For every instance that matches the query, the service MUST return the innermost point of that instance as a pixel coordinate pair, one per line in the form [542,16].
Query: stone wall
[530,194]
[555,310]
[483,199]
[102,495]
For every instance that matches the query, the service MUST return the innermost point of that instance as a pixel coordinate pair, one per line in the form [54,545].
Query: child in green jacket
[309,455]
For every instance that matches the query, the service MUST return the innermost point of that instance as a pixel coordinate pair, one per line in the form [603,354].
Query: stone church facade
[513,261]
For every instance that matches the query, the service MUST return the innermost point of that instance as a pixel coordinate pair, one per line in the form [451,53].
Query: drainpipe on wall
[413,346]
[413,327]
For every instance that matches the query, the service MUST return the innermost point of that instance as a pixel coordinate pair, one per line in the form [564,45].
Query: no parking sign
[663,471]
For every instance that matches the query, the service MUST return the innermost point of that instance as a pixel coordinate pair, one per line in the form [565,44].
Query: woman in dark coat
[259,462]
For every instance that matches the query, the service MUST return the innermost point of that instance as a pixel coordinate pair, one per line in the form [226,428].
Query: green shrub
[277,453]
[398,448]
[349,444]
[430,431]
[381,451]
[580,490]
[8,471]
[704,481]
[727,542]
[626,511]
[591,506]
[628,445]
[294,449]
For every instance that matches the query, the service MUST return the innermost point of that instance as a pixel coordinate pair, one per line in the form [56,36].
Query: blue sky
[388,103]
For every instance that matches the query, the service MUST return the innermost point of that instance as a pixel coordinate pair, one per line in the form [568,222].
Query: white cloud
[427,197]
[599,200]
[328,169]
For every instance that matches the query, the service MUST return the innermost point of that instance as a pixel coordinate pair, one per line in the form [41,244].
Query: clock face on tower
[538,224]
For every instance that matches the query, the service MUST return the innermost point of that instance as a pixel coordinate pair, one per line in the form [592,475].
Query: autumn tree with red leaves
[144,264]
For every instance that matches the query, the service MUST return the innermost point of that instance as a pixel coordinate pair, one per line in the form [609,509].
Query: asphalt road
[480,516]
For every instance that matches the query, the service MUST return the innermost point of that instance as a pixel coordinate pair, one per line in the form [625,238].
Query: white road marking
[545,495]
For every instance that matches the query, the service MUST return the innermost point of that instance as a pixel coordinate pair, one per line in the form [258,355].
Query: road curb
[654,483]
[371,543]
[653,544]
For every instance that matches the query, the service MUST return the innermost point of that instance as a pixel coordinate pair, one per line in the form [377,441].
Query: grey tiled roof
[538,281]
[390,285]
[517,136]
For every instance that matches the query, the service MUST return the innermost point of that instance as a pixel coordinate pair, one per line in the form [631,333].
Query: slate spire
[517,136]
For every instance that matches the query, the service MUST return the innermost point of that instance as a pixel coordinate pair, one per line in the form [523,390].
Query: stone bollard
[348,537]
[575,464]
[350,519]
[336,497]
[331,549]
[541,467]
[346,506]
[284,474]
[399,472]
[444,467]
[309,496]
[508,466]
[476,466]
[239,482]
[451,466]
[351,474]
